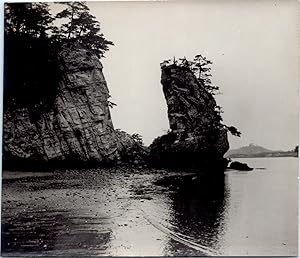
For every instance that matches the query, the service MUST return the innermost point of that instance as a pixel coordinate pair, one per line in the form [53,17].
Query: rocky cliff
[197,137]
[77,127]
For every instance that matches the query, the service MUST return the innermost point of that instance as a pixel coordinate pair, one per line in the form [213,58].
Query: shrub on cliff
[30,66]
[198,137]
[131,148]
[200,67]
[31,46]
[81,27]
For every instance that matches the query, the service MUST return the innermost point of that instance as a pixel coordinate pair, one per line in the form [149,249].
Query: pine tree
[30,66]
[201,69]
[30,19]
[199,66]
[82,27]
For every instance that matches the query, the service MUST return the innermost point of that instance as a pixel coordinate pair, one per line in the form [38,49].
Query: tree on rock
[31,47]
[82,27]
[233,131]
[200,68]
[31,19]
[29,60]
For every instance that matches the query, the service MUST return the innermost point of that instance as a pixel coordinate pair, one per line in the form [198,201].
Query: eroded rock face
[77,127]
[197,138]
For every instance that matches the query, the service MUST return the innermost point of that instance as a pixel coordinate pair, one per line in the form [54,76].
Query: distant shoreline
[265,155]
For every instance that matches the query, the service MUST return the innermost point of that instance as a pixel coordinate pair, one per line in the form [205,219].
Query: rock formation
[131,149]
[77,128]
[239,166]
[197,137]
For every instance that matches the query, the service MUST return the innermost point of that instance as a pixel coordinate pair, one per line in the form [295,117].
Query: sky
[254,47]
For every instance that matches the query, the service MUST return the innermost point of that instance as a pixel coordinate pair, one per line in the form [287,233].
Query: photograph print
[150,128]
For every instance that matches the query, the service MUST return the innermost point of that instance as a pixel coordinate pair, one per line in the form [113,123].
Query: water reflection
[198,207]
[153,213]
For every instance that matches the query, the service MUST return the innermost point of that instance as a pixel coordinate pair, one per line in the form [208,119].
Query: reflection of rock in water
[198,209]
[111,212]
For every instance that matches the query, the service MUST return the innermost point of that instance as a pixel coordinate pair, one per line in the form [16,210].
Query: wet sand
[89,212]
[147,212]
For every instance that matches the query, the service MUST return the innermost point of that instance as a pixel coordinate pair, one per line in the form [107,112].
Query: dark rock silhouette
[197,137]
[239,166]
[77,128]
[131,149]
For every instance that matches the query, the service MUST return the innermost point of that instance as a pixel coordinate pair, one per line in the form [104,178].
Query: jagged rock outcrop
[197,137]
[77,127]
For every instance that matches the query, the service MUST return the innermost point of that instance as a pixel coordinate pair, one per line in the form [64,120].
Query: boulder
[239,166]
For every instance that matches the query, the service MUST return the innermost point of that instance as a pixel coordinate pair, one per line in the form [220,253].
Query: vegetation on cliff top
[200,67]
[131,148]
[31,45]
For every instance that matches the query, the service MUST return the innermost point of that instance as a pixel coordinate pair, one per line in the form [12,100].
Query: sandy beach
[87,212]
[126,211]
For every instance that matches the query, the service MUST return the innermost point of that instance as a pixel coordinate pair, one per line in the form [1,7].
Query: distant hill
[252,151]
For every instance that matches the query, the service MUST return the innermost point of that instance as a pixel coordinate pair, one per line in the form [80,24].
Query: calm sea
[255,213]
[145,213]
